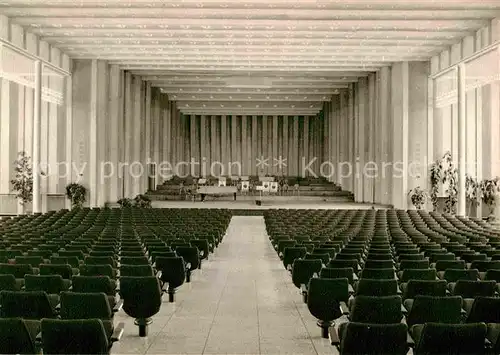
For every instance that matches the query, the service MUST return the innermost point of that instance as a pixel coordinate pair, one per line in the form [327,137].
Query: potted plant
[472,192]
[142,201]
[489,189]
[418,197]
[125,202]
[435,177]
[76,193]
[22,183]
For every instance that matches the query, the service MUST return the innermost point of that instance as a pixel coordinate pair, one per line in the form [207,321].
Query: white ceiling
[252,57]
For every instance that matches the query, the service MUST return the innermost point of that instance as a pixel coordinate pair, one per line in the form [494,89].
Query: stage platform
[246,205]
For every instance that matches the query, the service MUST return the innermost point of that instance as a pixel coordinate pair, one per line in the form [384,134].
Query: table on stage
[216,190]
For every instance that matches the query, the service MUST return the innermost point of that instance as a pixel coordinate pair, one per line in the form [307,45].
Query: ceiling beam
[249,97]
[266,4]
[247,91]
[69,17]
[151,66]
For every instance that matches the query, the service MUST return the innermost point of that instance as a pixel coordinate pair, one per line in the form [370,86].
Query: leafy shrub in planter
[142,201]
[418,197]
[125,202]
[489,190]
[76,193]
[22,184]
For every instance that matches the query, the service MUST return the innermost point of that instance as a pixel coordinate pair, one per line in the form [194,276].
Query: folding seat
[417,274]
[9,283]
[45,254]
[100,260]
[70,260]
[443,265]
[165,254]
[303,271]
[484,266]
[136,270]
[17,336]
[77,305]
[203,247]
[191,259]
[453,275]
[53,285]
[290,254]
[324,257]
[370,339]
[425,288]
[339,273]
[141,299]
[26,304]
[103,254]
[172,272]
[327,300]
[34,261]
[93,284]
[65,271]
[424,309]
[379,264]
[441,338]
[282,244]
[469,258]
[413,264]
[492,275]
[18,270]
[473,289]
[330,251]
[98,270]
[134,260]
[376,287]
[376,309]
[379,256]
[378,274]
[410,256]
[72,253]
[82,336]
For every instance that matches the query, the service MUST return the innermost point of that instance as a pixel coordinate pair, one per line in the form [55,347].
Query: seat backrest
[52,284]
[376,309]
[136,270]
[303,270]
[492,275]
[453,275]
[15,337]
[77,305]
[141,296]
[472,289]
[379,264]
[413,264]
[173,270]
[18,270]
[134,260]
[325,295]
[25,304]
[418,274]
[86,336]
[362,338]
[97,270]
[485,309]
[378,274]
[377,287]
[441,338]
[483,265]
[425,309]
[65,271]
[425,288]
[443,265]
[337,273]
[8,283]
[93,284]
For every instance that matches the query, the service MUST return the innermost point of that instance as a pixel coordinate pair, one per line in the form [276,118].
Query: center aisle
[242,301]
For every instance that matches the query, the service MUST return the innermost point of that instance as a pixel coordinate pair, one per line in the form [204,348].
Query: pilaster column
[37,118]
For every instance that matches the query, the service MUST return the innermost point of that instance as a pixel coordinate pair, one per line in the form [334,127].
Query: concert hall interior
[249,177]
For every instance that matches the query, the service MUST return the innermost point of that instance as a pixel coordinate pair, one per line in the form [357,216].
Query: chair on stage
[273,188]
[222,181]
[245,187]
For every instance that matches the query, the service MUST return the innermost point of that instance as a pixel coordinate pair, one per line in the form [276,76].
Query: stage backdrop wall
[248,145]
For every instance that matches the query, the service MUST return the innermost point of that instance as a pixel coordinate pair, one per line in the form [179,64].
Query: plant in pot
[142,201]
[436,178]
[22,183]
[125,202]
[489,190]
[472,192]
[76,193]
[418,197]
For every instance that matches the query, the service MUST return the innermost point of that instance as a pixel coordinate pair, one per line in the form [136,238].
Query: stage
[267,203]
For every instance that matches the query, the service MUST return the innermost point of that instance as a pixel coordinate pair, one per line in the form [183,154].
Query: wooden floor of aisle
[242,301]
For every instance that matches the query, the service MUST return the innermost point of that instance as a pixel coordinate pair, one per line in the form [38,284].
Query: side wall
[16,126]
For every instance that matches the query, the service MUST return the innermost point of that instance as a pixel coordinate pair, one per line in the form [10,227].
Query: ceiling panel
[252,57]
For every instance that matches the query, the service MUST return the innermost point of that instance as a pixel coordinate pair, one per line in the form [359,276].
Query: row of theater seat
[394,279]
[67,273]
